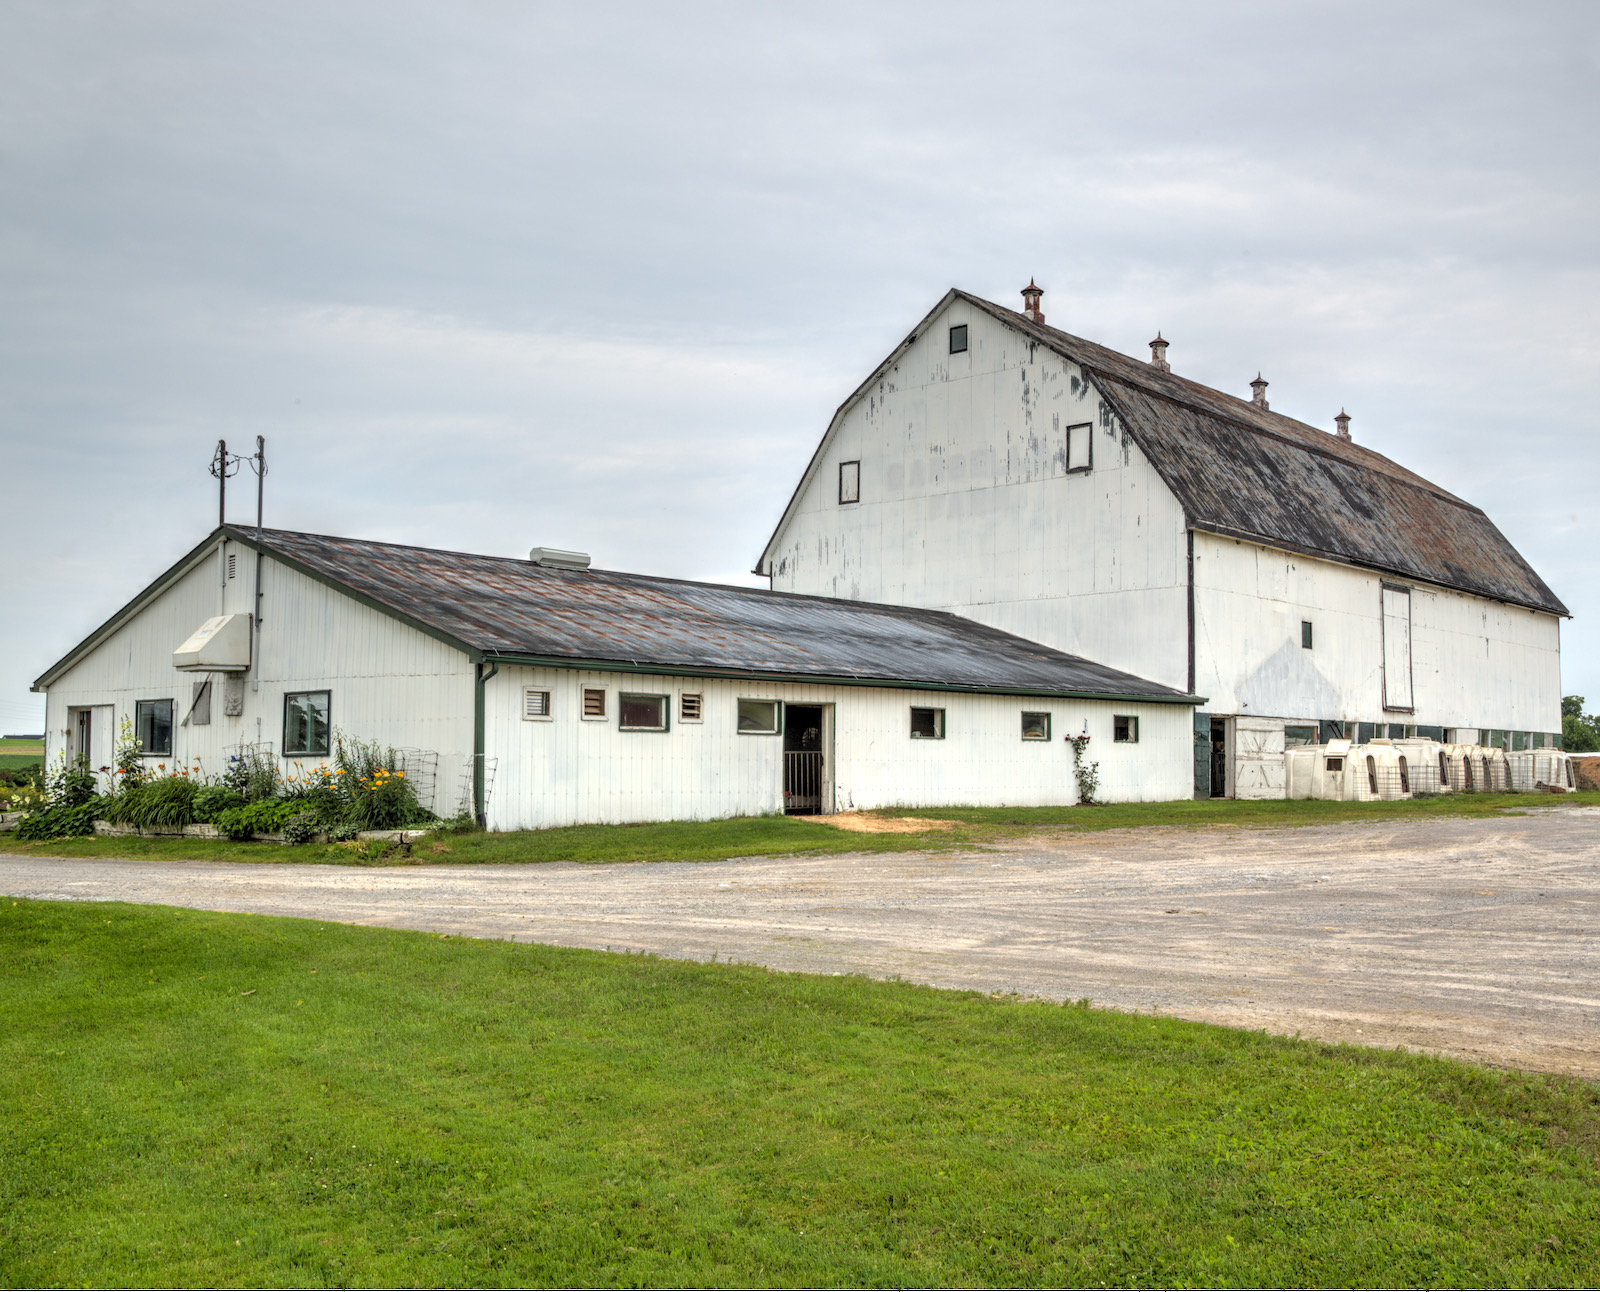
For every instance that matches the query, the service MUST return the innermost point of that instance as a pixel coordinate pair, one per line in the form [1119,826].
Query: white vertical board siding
[1474,662]
[967,505]
[570,771]
[388,681]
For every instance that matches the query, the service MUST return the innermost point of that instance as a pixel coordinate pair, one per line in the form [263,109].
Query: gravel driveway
[1477,938]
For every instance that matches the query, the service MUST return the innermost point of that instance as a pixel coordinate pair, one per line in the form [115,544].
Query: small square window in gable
[535,705]
[958,339]
[850,482]
[1080,447]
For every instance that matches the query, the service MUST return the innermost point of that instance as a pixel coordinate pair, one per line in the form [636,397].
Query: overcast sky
[490,275]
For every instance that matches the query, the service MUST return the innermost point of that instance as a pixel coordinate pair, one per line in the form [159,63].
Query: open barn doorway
[807,777]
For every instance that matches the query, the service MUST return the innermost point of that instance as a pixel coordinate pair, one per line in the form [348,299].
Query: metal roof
[498,606]
[1248,472]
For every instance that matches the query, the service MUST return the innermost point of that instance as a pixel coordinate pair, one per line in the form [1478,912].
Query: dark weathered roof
[1251,473]
[500,606]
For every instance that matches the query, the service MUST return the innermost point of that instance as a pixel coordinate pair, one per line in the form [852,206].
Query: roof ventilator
[1031,296]
[553,558]
[1343,423]
[1259,397]
[1158,354]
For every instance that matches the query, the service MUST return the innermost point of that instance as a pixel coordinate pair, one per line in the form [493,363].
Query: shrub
[264,817]
[60,822]
[375,791]
[69,784]
[212,800]
[302,828]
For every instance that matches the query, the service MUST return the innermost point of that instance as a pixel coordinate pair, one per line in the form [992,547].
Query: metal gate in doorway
[805,770]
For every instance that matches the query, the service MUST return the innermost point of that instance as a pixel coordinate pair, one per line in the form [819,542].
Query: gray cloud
[492,274]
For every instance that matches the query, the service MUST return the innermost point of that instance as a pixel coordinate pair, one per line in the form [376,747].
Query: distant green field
[16,762]
[198,1099]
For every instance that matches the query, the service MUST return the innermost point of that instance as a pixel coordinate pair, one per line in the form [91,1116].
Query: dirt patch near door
[866,823]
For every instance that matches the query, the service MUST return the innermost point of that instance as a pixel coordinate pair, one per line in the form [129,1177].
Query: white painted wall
[1475,663]
[389,682]
[967,505]
[569,771]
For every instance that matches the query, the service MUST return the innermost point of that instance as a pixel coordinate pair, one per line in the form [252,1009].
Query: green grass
[193,1099]
[16,762]
[784,836]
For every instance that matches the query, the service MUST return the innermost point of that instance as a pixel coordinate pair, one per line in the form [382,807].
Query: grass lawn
[16,762]
[783,836]
[202,1099]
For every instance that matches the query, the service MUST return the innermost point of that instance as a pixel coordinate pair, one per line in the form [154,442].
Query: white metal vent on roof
[555,559]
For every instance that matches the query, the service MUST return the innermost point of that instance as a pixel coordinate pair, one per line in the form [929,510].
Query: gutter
[479,809]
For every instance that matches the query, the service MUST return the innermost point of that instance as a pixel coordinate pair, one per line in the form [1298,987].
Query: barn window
[1333,765]
[1080,447]
[1125,729]
[850,482]
[1036,726]
[305,722]
[758,717]
[641,712]
[1305,634]
[927,724]
[691,705]
[535,705]
[1299,736]
[153,722]
[594,703]
[200,706]
[958,339]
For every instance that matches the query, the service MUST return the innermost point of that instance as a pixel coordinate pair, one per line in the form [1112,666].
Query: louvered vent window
[690,706]
[233,563]
[594,702]
[535,705]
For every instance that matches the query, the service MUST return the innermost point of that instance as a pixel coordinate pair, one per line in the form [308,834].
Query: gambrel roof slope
[1250,473]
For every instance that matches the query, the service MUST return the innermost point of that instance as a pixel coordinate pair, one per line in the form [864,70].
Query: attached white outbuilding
[546,693]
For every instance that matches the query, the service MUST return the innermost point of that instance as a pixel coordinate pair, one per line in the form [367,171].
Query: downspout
[479,809]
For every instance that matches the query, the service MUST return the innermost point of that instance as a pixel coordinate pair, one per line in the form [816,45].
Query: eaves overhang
[600,665]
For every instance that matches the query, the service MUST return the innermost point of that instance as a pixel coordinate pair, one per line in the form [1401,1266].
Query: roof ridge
[1155,383]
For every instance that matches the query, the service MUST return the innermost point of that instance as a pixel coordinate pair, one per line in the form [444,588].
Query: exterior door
[1258,766]
[1202,755]
[805,771]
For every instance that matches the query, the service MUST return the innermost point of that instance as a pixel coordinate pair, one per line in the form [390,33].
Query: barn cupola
[1258,392]
[1031,296]
[1343,423]
[1158,354]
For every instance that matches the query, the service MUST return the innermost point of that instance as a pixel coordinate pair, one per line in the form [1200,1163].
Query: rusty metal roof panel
[1249,472]
[500,605]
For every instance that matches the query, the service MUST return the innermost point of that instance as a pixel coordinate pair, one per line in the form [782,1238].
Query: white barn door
[1258,763]
[1396,648]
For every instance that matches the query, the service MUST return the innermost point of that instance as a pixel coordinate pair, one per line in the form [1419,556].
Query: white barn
[553,694]
[1004,470]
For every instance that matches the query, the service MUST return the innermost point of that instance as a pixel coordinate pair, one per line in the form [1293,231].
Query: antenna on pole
[259,462]
[223,465]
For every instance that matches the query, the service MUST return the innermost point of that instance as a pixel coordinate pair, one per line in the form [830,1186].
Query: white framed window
[594,704]
[760,717]
[691,706]
[535,705]
[927,724]
[1036,726]
[637,712]
[1080,447]
[306,722]
[850,482]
